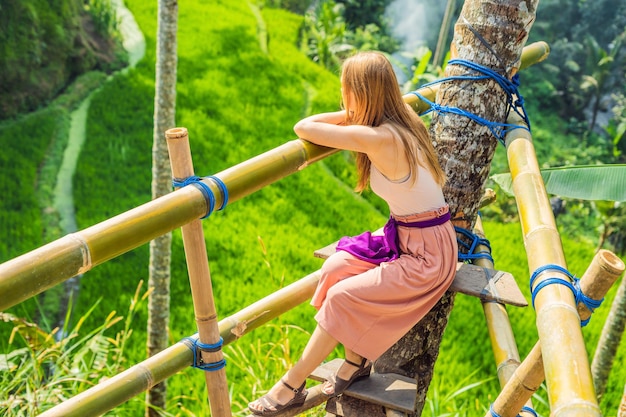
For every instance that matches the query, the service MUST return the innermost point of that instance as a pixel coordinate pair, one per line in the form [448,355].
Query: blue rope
[510,87]
[574,286]
[529,410]
[493,412]
[198,347]
[589,302]
[223,189]
[197,182]
[524,408]
[471,247]
[206,190]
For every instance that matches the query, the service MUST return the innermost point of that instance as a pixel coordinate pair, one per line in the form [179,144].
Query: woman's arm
[327,129]
[335,118]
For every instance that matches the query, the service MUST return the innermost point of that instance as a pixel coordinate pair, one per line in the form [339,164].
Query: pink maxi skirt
[369,307]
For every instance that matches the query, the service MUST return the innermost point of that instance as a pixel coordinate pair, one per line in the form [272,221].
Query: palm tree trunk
[609,341]
[443,33]
[160,248]
[492,34]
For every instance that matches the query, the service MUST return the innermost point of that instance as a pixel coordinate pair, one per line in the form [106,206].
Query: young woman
[375,288]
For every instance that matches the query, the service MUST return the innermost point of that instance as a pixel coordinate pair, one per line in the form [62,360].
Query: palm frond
[585,182]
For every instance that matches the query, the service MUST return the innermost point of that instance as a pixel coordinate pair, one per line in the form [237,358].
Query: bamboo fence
[562,353]
[76,253]
[566,365]
[122,387]
[604,269]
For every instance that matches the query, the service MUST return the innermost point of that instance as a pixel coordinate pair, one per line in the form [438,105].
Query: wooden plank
[345,406]
[476,281]
[389,390]
[488,285]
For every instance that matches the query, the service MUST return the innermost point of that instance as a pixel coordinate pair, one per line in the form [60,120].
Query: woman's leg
[320,345]
[339,266]
[344,372]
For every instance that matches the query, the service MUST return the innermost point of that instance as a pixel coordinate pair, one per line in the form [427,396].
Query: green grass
[237,102]
[32,150]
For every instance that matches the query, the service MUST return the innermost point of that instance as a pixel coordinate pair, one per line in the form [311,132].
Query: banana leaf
[585,182]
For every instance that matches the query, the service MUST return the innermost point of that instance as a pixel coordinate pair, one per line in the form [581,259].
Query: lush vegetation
[45,45]
[237,102]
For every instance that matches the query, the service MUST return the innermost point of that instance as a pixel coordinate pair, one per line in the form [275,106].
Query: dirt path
[135,44]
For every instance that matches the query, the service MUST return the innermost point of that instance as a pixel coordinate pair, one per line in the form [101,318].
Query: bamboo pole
[501,334]
[122,387]
[36,271]
[568,376]
[603,271]
[42,268]
[200,280]
[567,372]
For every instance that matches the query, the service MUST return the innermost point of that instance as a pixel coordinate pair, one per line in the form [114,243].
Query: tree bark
[465,151]
[160,248]
[609,341]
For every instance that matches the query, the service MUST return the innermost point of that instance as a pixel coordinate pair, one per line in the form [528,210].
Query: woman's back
[405,196]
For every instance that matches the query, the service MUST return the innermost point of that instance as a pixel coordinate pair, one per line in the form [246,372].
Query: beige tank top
[405,197]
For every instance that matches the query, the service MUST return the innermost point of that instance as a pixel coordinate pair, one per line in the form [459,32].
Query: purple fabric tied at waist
[378,249]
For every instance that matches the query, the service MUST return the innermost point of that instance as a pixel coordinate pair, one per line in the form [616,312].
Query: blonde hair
[370,78]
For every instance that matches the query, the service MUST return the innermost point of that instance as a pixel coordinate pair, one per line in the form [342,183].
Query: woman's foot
[348,373]
[280,398]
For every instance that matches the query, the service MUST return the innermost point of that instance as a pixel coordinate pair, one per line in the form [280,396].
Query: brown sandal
[271,406]
[341,384]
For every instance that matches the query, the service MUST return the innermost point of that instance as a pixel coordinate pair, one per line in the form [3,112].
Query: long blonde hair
[370,78]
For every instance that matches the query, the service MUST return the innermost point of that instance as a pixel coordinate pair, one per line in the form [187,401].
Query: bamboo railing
[122,387]
[604,269]
[520,382]
[45,267]
[566,365]
[76,253]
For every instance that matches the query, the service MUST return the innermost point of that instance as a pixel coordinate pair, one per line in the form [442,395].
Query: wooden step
[476,281]
[393,391]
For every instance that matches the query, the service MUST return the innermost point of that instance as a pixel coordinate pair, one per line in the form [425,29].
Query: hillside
[65,39]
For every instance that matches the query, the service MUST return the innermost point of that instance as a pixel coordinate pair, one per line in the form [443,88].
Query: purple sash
[378,249]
